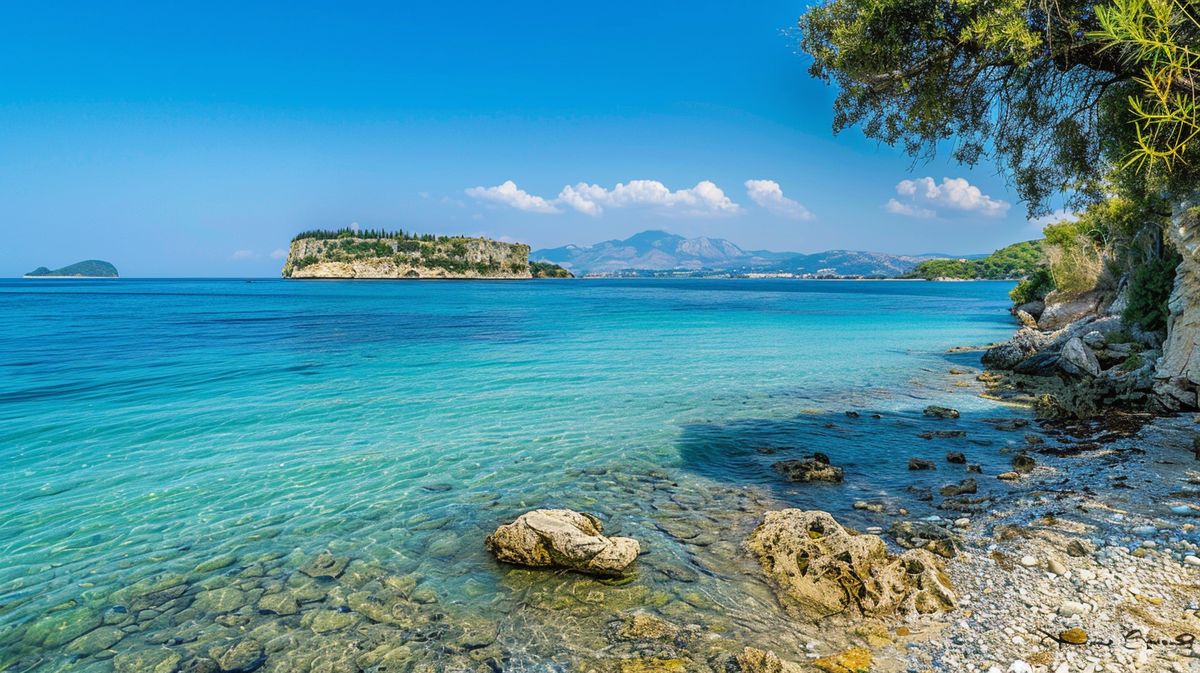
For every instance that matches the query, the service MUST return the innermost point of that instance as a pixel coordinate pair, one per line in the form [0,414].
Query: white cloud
[278,253]
[242,255]
[924,197]
[769,195]
[1039,223]
[706,198]
[510,195]
[895,207]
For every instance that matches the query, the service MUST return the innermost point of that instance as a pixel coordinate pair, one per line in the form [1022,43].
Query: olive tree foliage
[1027,83]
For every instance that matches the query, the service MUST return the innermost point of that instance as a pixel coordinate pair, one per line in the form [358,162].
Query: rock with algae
[562,538]
[821,569]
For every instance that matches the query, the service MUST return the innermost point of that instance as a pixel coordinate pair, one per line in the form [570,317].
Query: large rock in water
[1178,370]
[562,538]
[822,569]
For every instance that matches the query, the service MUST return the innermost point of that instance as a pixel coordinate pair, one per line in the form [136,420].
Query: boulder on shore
[821,569]
[1062,311]
[545,538]
[1077,359]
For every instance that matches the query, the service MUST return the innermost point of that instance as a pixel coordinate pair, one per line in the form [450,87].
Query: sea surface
[175,451]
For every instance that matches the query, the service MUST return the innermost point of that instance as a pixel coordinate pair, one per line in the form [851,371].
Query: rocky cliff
[1178,370]
[349,256]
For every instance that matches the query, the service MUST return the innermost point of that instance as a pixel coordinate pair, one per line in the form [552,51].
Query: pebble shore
[1090,564]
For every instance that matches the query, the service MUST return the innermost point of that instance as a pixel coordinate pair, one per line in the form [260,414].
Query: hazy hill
[663,251]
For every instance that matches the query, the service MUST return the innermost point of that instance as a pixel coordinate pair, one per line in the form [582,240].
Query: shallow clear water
[147,427]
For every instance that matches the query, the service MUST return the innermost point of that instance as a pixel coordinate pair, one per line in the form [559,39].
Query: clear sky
[196,138]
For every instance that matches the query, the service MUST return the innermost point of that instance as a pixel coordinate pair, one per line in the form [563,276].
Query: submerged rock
[1023,463]
[956,458]
[754,660]
[961,488]
[854,660]
[816,468]
[562,538]
[936,411]
[324,566]
[822,569]
[921,464]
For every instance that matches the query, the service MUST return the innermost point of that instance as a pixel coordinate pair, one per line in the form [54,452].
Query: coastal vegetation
[1015,261]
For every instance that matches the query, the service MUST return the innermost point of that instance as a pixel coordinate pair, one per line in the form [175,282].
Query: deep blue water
[147,426]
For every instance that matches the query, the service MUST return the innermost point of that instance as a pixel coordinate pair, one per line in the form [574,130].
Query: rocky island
[351,253]
[90,268]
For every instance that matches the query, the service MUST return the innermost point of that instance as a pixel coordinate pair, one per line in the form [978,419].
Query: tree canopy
[1060,92]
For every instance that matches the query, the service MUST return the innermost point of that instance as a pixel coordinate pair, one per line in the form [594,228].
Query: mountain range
[651,251]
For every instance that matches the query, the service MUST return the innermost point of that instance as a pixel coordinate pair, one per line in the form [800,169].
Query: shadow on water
[873,448]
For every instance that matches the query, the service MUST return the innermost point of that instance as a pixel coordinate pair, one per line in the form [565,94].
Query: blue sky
[197,139]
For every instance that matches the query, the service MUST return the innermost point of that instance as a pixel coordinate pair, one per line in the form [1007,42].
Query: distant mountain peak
[657,250]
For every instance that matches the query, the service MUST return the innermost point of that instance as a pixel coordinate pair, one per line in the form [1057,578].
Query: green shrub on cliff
[1149,289]
[1034,288]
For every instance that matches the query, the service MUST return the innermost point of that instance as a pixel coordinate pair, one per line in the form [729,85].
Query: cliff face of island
[90,268]
[353,254]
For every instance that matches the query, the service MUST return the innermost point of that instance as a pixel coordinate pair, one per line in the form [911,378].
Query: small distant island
[370,253]
[89,268]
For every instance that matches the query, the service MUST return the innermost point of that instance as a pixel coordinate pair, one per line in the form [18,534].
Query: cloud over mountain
[769,195]
[706,198]
[926,198]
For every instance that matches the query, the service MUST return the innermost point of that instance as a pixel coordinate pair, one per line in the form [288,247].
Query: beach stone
[241,656]
[325,566]
[199,665]
[921,464]
[645,626]
[961,488]
[820,569]
[225,599]
[926,535]
[853,660]
[1023,463]
[1073,609]
[152,660]
[1028,561]
[935,411]
[809,469]
[327,621]
[956,458]
[1079,548]
[282,603]
[217,563]
[1055,566]
[59,628]
[96,640]
[754,660]
[1191,560]
[563,538]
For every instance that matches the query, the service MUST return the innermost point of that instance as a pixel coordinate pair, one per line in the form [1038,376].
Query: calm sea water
[149,427]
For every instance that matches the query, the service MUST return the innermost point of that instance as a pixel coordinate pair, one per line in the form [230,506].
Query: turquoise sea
[175,451]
